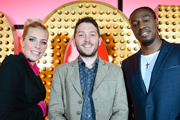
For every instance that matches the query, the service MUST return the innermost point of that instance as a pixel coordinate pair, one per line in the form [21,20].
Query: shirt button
[80,101]
[78,112]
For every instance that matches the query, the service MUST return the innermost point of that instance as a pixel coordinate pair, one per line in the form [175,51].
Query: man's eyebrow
[90,31]
[133,21]
[143,17]
[146,16]
[93,32]
[80,31]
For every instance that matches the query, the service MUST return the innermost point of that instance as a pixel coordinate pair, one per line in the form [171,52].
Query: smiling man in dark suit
[152,74]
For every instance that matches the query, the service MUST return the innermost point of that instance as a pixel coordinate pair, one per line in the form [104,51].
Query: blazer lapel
[159,62]
[101,72]
[137,71]
[36,80]
[74,77]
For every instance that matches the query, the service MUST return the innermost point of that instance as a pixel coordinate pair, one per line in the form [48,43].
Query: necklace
[147,64]
[147,61]
[148,58]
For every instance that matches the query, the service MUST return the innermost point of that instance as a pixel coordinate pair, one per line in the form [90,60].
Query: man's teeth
[144,33]
[87,45]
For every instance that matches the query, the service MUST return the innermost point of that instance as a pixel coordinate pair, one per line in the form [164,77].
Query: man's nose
[141,25]
[87,39]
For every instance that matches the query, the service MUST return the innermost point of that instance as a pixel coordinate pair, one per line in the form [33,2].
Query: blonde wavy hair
[33,23]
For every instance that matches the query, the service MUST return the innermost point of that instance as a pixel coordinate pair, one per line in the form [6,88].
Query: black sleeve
[10,82]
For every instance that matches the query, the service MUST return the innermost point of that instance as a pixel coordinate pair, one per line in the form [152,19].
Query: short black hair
[147,8]
[87,20]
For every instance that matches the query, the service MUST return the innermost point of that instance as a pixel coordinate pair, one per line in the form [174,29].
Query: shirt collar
[81,62]
[34,67]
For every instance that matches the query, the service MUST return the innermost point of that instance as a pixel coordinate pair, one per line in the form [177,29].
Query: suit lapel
[159,62]
[36,80]
[137,64]
[74,77]
[101,72]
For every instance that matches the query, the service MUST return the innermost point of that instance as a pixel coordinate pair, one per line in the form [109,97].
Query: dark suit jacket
[20,90]
[162,102]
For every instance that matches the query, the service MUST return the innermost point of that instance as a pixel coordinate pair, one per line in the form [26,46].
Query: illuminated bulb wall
[114,28]
[7,37]
[169,22]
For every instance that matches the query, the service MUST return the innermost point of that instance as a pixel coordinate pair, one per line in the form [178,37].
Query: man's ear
[157,22]
[100,40]
[73,40]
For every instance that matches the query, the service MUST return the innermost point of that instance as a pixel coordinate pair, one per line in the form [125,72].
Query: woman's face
[34,44]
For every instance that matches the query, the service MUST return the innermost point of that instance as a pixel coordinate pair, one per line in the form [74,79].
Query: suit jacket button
[80,101]
[148,105]
[78,112]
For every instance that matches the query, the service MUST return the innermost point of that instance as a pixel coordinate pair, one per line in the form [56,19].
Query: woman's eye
[44,43]
[32,40]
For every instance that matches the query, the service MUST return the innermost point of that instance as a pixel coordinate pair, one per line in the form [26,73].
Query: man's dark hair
[87,20]
[147,8]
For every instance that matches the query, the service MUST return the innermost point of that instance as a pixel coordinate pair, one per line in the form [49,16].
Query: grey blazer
[109,93]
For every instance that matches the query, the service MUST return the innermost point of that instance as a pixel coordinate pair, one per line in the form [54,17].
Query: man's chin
[147,42]
[87,55]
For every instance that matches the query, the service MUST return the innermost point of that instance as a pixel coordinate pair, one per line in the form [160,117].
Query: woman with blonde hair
[22,92]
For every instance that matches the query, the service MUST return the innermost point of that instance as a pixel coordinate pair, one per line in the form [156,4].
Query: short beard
[81,53]
[147,42]
[86,55]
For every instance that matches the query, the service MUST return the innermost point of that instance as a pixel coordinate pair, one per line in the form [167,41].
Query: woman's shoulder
[11,61]
[11,58]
